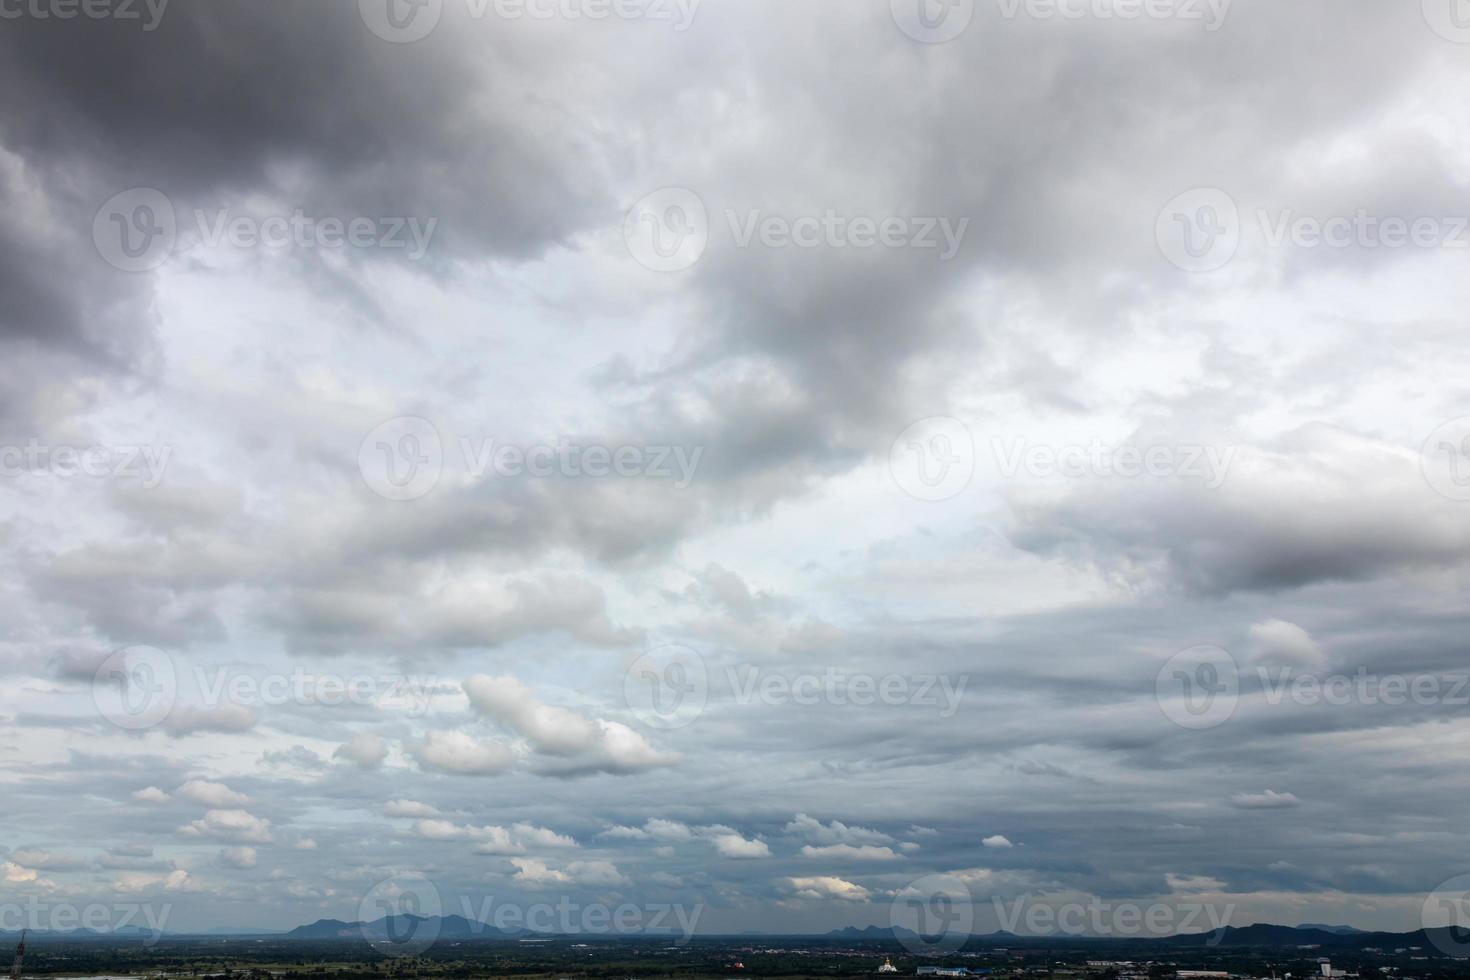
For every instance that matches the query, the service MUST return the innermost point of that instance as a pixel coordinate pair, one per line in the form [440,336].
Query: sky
[769,459]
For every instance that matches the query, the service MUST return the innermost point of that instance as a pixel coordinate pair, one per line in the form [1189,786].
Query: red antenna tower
[20,954]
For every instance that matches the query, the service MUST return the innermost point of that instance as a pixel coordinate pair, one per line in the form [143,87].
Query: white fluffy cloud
[178,880]
[365,750]
[726,841]
[232,825]
[1279,643]
[238,857]
[572,742]
[851,852]
[16,874]
[827,887]
[461,754]
[536,874]
[736,846]
[517,839]
[541,837]
[44,860]
[655,828]
[553,730]
[667,830]
[409,808]
[216,796]
[834,832]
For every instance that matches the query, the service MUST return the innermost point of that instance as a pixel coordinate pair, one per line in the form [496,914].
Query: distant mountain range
[872,932]
[127,932]
[1260,934]
[1340,930]
[457,927]
[393,927]
[1334,937]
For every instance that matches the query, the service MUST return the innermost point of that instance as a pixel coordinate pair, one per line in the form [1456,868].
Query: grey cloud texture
[450,684]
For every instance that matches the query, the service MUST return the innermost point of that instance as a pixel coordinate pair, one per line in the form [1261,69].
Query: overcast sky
[744,454]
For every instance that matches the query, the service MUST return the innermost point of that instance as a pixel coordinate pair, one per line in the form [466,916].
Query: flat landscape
[265,957]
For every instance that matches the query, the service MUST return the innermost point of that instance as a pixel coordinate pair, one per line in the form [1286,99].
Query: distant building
[887,966]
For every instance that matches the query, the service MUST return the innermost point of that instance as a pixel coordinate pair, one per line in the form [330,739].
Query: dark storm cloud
[229,102]
[1322,505]
[66,315]
[228,99]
